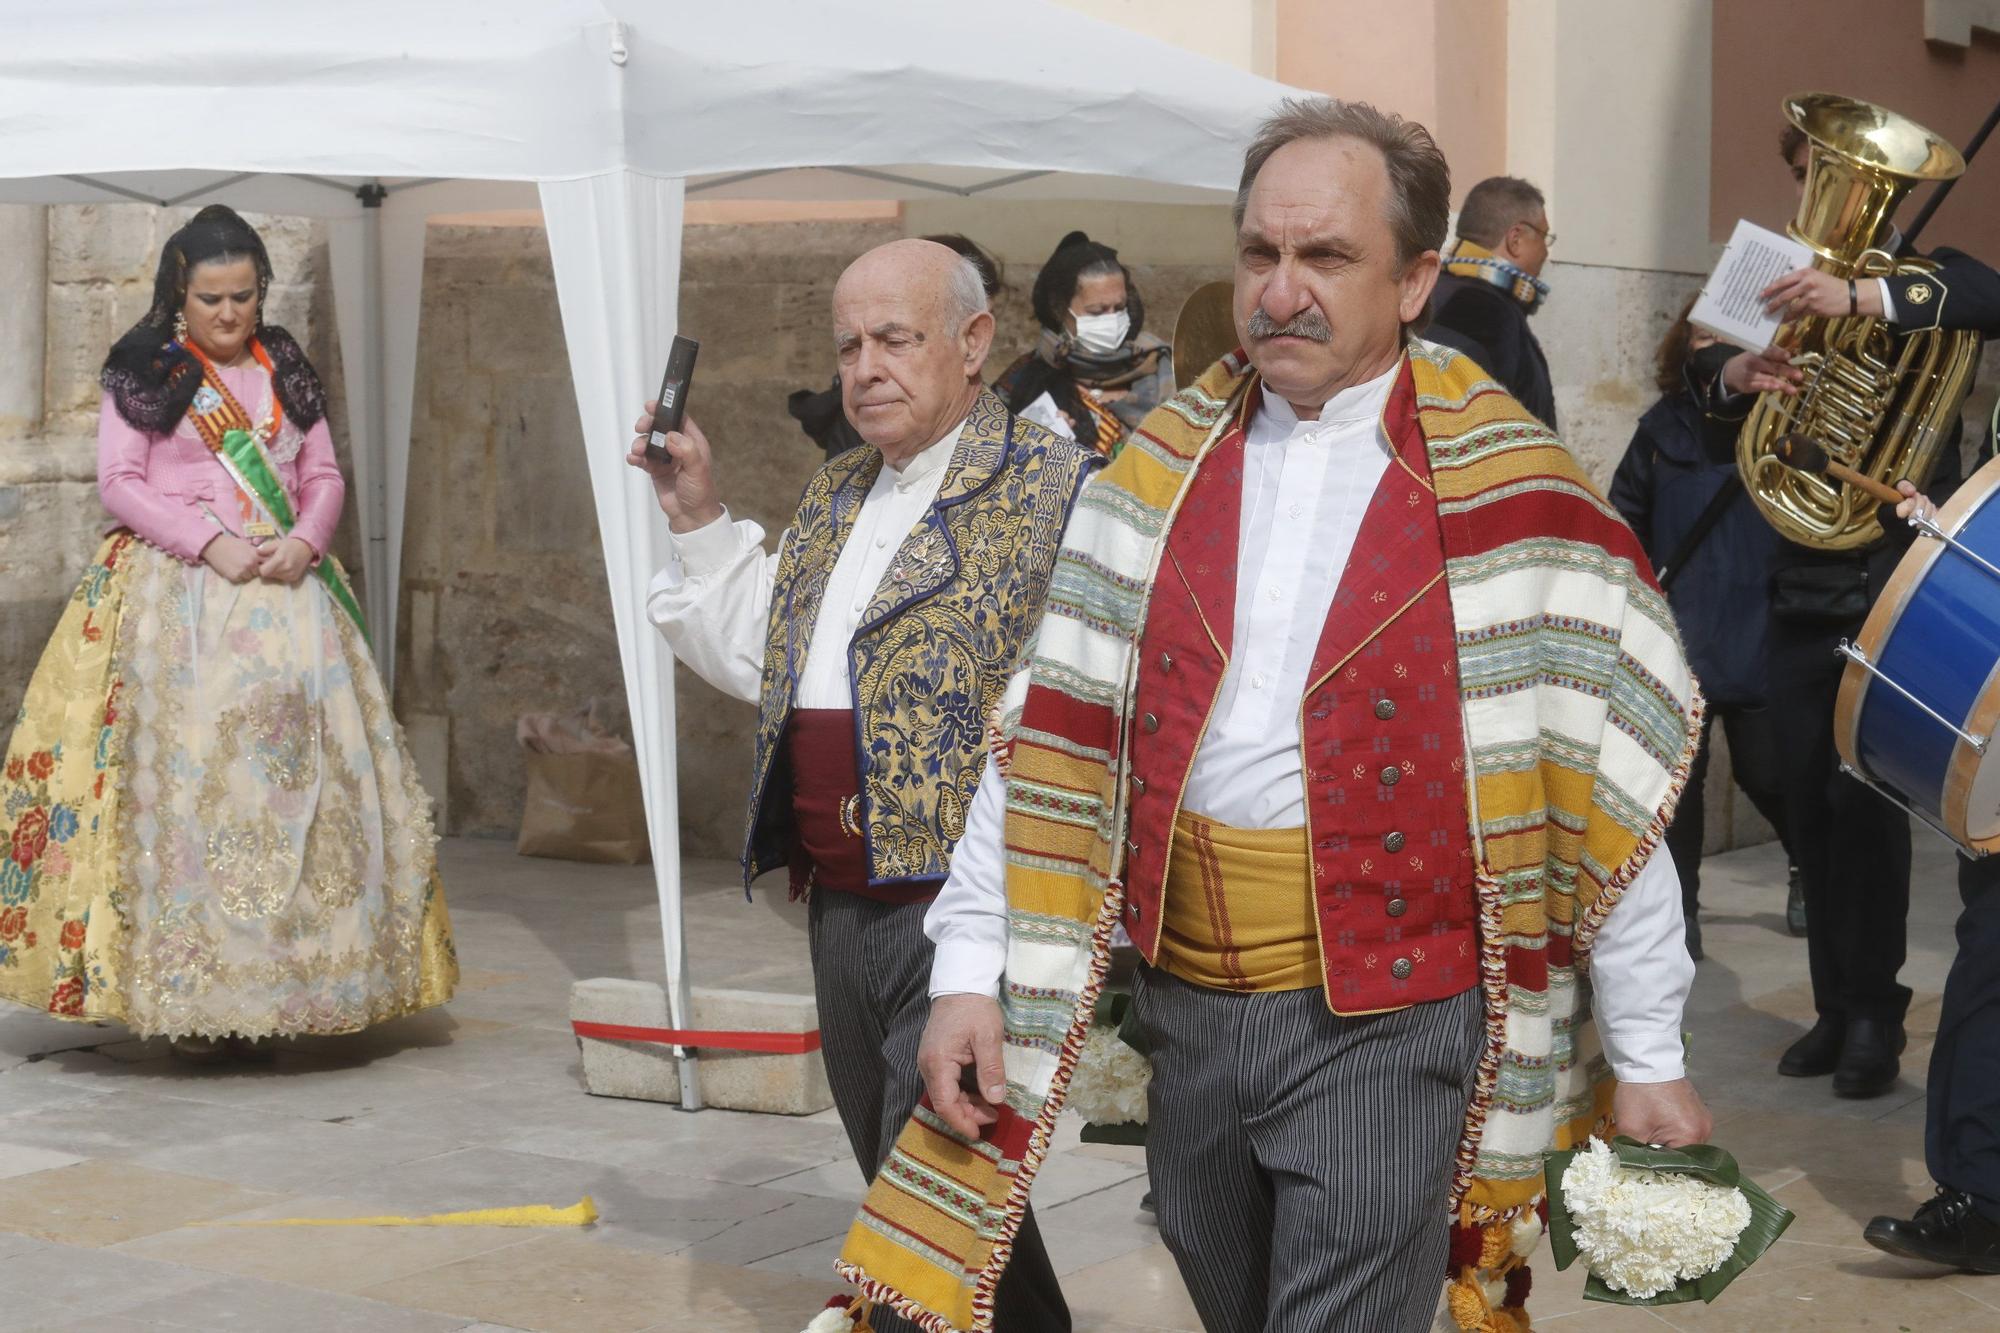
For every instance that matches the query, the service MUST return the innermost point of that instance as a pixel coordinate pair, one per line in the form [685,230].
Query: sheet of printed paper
[1729,306]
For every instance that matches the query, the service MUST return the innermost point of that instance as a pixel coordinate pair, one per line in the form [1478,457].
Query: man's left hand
[1669,1114]
[285,562]
[1808,291]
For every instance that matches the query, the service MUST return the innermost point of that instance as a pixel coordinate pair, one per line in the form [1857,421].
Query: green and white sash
[239,445]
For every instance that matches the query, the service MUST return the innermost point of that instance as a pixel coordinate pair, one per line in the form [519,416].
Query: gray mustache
[1306,324]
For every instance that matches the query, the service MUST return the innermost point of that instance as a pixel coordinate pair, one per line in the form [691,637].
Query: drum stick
[1805,454]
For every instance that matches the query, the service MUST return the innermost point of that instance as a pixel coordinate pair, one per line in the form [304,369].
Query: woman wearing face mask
[210,828]
[1093,373]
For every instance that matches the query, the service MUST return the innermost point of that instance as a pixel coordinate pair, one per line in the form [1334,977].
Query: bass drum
[1920,698]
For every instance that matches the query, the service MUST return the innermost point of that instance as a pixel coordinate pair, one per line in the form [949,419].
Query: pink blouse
[166,487]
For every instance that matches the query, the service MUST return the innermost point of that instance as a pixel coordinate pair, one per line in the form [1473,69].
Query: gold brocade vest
[941,636]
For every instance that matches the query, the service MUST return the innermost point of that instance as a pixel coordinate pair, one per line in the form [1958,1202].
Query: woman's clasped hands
[239,561]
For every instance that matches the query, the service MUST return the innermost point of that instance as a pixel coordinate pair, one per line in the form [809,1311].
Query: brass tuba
[1883,405]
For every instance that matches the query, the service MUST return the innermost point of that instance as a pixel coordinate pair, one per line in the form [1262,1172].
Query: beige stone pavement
[115,1160]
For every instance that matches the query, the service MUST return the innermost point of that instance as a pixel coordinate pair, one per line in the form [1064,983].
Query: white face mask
[1103,334]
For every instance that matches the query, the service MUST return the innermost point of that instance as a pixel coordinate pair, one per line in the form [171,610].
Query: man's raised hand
[1809,291]
[685,485]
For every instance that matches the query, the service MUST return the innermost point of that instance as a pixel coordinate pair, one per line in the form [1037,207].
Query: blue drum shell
[1941,645]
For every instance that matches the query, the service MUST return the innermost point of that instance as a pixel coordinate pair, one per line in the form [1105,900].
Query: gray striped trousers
[1301,1161]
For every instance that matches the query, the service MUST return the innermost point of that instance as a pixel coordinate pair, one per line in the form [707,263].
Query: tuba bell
[1882,405]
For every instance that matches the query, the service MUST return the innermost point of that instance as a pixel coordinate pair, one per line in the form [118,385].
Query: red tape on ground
[764,1043]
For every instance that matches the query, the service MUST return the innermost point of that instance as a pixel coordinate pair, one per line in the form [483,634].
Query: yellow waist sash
[1238,913]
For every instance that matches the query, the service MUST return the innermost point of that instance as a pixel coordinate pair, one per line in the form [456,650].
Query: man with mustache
[876,642]
[1360,711]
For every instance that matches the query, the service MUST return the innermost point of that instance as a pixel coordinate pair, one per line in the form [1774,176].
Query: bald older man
[875,642]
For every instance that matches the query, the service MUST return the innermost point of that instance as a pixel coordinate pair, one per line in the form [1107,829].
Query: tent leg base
[690,1070]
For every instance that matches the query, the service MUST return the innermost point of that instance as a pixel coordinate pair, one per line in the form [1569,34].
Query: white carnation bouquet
[1108,1086]
[1657,1226]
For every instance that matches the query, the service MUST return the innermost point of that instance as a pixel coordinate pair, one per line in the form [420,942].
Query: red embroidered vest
[1384,746]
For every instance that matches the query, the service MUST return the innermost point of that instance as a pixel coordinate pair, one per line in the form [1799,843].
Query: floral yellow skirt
[209,823]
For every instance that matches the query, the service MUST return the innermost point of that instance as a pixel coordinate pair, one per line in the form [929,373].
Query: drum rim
[1855,681]
[1964,768]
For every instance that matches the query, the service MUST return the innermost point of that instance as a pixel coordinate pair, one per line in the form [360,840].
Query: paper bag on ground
[583,801]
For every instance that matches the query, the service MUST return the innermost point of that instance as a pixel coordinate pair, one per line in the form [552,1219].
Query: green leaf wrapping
[1129,1133]
[1562,1229]
[1704,1161]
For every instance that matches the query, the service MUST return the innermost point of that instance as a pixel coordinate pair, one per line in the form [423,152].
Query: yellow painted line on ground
[580,1214]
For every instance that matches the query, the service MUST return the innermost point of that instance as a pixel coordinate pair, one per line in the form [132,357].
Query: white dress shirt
[1306,488]
[712,602]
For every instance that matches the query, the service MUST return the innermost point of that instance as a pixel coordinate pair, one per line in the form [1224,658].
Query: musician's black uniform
[1857,885]
[1853,847]
[1962,1120]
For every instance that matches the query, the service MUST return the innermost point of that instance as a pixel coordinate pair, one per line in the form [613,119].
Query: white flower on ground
[833,1319]
[1644,1232]
[1109,1084]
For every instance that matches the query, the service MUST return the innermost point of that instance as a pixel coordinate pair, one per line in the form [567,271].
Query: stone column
[24,285]
[29,600]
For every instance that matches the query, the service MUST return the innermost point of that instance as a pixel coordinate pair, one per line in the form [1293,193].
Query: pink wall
[1440,62]
[1767,49]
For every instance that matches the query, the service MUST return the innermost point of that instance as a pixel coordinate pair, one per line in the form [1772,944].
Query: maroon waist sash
[829,851]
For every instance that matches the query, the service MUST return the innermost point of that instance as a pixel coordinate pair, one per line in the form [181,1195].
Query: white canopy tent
[606,114]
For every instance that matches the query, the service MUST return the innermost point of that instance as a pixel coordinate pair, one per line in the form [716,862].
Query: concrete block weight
[730,1080]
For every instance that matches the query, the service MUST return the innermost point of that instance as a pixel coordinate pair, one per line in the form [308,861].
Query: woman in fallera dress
[210,827]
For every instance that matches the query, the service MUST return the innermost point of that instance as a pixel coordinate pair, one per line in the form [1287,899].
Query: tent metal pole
[376,561]
[118,190]
[734,178]
[210,188]
[870,174]
[1004,181]
[348,188]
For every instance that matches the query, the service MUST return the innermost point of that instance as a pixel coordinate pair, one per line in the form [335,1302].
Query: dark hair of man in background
[1494,205]
[1789,142]
[989,269]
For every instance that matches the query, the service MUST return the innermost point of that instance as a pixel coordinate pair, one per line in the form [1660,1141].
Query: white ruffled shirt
[712,601]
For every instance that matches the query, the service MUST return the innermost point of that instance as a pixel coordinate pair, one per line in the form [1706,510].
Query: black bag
[1820,594]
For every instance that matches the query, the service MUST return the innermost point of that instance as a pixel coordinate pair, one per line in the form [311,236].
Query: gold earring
[181,327]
